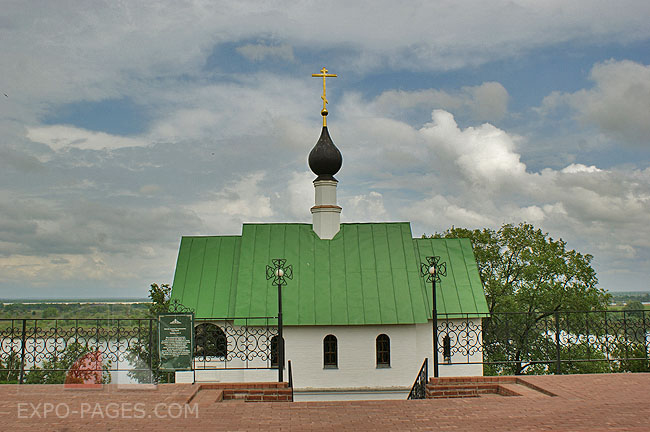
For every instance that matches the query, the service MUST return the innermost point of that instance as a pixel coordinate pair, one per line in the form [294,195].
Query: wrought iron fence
[44,350]
[547,342]
[236,343]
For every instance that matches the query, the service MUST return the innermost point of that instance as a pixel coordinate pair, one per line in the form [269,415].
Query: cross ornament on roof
[323,73]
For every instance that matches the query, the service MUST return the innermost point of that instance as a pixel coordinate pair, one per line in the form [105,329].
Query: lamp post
[279,273]
[431,271]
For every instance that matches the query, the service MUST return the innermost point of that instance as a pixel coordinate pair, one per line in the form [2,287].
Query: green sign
[176,341]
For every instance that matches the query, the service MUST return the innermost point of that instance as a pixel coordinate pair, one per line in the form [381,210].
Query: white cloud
[366,208]
[578,168]
[59,137]
[486,102]
[301,196]
[260,52]
[618,104]
[485,155]
[239,201]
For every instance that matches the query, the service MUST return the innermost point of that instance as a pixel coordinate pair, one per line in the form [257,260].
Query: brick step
[449,387]
[477,386]
[458,393]
[473,380]
[523,390]
[258,395]
[209,393]
[208,396]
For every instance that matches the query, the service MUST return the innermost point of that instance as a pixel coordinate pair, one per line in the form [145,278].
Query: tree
[143,354]
[160,297]
[525,270]
[51,312]
[528,278]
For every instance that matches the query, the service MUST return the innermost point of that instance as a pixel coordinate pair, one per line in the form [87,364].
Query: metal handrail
[419,389]
[290,378]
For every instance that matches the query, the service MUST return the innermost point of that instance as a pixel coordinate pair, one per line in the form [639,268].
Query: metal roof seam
[468,277]
[376,269]
[234,276]
[214,288]
[363,300]
[407,243]
[390,258]
[345,272]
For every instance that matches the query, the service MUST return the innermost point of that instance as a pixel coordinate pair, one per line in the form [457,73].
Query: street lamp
[280,272]
[431,271]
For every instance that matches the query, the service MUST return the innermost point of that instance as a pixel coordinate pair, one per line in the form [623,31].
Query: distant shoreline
[73,301]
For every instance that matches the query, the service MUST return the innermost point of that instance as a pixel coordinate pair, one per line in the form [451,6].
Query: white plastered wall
[357,369]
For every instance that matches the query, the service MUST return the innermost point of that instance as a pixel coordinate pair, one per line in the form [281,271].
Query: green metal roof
[367,274]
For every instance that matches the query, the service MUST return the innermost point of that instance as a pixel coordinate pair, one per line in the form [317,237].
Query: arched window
[209,341]
[383,351]
[330,352]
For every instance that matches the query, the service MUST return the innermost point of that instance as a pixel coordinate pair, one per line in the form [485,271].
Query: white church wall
[357,368]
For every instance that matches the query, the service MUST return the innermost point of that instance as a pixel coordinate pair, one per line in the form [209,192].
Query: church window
[330,352]
[209,341]
[383,351]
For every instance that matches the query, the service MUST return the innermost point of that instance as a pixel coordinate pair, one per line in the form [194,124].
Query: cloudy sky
[126,125]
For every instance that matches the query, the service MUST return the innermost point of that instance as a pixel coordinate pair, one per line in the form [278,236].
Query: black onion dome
[325,159]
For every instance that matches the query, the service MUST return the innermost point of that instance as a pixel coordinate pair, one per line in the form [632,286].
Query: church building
[356,312]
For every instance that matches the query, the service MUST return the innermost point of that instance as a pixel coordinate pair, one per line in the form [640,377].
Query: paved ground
[583,403]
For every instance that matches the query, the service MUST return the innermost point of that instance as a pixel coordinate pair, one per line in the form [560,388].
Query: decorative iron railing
[236,343]
[419,389]
[547,342]
[43,350]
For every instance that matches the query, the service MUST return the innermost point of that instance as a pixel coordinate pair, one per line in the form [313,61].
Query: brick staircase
[465,387]
[242,392]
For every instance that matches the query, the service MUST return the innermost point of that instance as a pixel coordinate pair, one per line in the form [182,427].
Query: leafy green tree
[528,278]
[633,357]
[160,297]
[525,270]
[10,368]
[143,354]
[51,312]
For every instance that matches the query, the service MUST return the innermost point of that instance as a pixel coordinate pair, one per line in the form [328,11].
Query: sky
[125,125]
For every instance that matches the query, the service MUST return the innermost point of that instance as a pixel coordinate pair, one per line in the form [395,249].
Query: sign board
[176,341]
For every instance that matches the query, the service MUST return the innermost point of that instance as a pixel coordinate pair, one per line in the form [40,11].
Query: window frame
[382,351]
[330,352]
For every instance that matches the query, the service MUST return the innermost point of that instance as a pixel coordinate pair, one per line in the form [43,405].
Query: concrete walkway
[582,403]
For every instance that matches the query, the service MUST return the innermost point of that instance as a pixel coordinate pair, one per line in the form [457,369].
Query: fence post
[22,352]
[558,360]
[645,339]
[151,348]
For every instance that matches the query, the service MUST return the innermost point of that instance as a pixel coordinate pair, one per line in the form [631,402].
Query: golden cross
[323,73]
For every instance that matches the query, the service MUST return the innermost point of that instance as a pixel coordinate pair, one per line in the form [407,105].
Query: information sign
[176,341]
